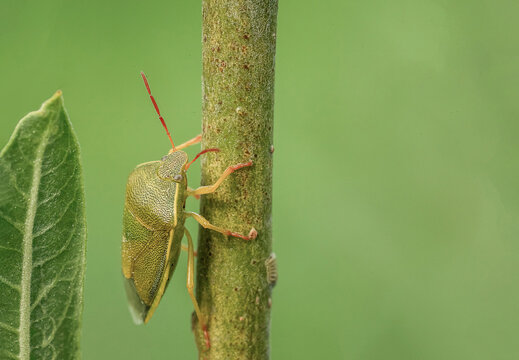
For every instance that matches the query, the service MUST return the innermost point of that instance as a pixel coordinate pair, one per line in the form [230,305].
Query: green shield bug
[153,226]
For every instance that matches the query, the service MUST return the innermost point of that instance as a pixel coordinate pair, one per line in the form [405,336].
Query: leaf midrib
[25,298]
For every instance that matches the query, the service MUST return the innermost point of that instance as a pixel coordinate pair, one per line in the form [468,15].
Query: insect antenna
[157,109]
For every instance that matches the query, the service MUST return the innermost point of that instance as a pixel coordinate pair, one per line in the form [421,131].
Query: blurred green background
[396,198]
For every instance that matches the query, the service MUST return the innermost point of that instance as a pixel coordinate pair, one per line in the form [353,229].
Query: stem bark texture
[233,287]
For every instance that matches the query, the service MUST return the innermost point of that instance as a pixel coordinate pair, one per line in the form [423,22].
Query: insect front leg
[191,285]
[193,141]
[207,225]
[212,188]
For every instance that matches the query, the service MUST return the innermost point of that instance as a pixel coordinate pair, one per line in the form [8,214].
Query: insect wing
[145,255]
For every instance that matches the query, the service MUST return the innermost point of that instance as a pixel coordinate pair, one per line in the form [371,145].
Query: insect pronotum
[153,226]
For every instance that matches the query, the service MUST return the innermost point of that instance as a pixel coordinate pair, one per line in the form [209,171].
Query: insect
[153,226]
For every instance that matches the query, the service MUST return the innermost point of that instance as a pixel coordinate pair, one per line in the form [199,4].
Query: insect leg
[193,141]
[189,190]
[198,155]
[185,248]
[212,188]
[191,285]
[206,224]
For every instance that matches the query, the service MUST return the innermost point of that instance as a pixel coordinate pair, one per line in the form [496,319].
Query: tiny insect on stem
[201,153]
[157,109]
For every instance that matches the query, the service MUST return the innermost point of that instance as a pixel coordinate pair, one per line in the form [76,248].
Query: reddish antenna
[157,109]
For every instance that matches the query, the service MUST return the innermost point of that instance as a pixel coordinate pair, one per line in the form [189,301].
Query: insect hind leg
[191,286]
[207,225]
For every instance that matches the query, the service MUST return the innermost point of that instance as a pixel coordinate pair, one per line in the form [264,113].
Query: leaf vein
[28,237]
[10,284]
[48,287]
[10,354]
[54,168]
[13,179]
[11,222]
[62,215]
[58,192]
[22,153]
[60,319]
[10,249]
[57,253]
[8,327]
[42,293]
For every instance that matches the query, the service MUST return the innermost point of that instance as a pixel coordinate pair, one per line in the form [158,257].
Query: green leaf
[42,237]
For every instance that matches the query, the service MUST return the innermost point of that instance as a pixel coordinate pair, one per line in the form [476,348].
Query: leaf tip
[58,94]
[54,100]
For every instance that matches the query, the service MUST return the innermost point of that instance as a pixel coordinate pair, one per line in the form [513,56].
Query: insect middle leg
[191,285]
[207,225]
[189,190]
[212,188]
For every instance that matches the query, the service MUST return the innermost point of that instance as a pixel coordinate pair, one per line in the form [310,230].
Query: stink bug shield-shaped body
[153,226]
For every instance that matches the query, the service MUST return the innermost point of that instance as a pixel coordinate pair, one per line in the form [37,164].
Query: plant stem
[239,41]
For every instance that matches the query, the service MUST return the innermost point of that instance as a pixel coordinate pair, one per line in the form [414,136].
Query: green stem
[239,41]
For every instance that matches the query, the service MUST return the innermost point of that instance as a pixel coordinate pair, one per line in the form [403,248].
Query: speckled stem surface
[239,42]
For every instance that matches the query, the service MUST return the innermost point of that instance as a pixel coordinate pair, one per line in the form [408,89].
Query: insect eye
[177,177]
